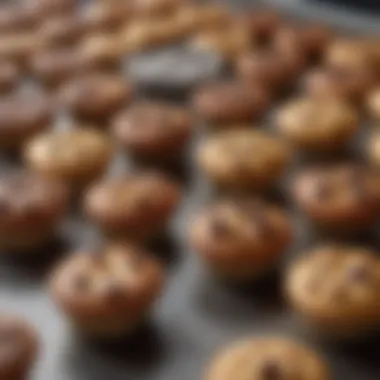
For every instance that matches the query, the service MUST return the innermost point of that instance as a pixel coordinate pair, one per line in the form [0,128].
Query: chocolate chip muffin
[317,124]
[9,76]
[230,102]
[18,347]
[351,85]
[268,358]
[153,130]
[31,206]
[137,206]
[373,104]
[199,17]
[243,159]
[241,239]
[56,65]
[106,16]
[96,97]
[335,289]
[267,69]
[107,292]
[76,157]
[229,42]
[21,117]
[341,197]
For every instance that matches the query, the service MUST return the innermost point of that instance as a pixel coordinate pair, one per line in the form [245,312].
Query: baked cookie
[56,65]
[18,347]
[62,30]
[351,85]
[373,104]
[106,16]
[103,51]
[96,97]
[228,42]
[9,76]
[268,358]
[267,69]
[317,124]
[227,102]
[195,18]
[241,239]
[243,159]
[30,209]
[153,130]
[23,116]
[137,206]
[107,292]
[341,196]
[336,289]
[76,157]
[309,40]
[261,23]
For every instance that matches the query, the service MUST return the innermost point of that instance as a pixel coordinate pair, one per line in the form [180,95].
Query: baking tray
[196,315]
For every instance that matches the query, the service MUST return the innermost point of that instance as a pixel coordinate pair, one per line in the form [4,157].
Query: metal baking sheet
[196,315]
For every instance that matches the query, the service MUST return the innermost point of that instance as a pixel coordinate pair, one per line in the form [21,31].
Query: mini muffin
[137,206]
[199,17]
[336,290]
[229,42]
[348,54]
[19,47]
[21,117]
[107,292]
[155,8]
[96,97]
[76,157]
[62,30]
[317,125]
[267,69]
[102,16]
[243,159]
[56,65]
[31,206]
[309,40]
[18,347]
[9,76]
[340,197]
[268,358]
[351,85]
[153,130]
[261,23]
[145,34]
[373,104]
[241,239]
[230,101]
[103,51]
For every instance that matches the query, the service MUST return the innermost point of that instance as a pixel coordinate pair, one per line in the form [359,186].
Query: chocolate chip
[81,283]
[135,261]
[115,292]
[4,207]
[8,334]
[219,228]
[271,370]
[321,190]
[359,274]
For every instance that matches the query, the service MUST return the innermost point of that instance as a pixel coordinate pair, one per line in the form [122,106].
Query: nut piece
[153,130]
[317,124]
[243,159]
[241,239]
[134,207]
[107,293]
[269,358]
[76,157]
[96,97]
[30,209]
[18,347]
[336,290]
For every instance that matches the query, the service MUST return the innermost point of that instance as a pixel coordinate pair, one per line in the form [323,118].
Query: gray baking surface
[196,315]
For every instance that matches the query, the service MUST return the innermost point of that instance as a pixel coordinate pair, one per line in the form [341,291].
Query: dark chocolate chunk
[271,370]
[81,283]
[321,190]
[115,292]
[359,274]
[219,228]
